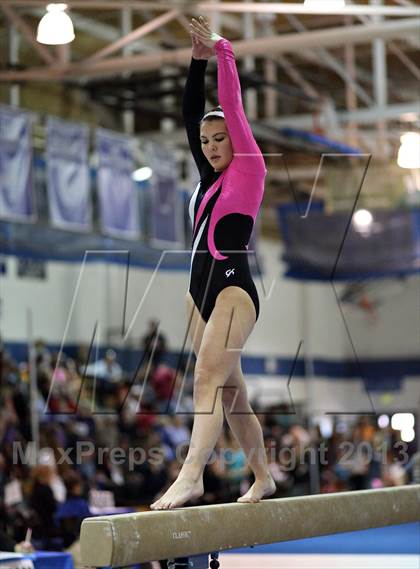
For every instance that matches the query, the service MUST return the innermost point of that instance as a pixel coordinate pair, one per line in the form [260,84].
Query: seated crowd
[106,433]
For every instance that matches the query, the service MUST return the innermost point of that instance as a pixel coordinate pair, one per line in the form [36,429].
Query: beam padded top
[127,539]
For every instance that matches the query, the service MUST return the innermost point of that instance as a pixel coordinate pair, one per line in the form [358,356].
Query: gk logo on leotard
[230,272]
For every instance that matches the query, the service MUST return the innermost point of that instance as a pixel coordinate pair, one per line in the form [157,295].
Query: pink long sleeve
[241,184]
[248,157]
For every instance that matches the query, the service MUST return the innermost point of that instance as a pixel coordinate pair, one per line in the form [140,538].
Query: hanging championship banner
[68,179]
[165,201]
[118,200]
[16,176]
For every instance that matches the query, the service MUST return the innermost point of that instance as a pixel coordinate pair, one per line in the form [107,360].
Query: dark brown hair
[212,117]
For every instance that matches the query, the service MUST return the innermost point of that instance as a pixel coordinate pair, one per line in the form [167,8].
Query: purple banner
[118,199]
[166,211]
[68,179]
[16,176]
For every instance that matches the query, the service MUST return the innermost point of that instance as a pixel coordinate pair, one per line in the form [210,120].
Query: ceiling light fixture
[55,27]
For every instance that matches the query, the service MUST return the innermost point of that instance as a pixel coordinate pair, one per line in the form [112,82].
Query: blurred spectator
[365,430]
[413,468]
[215,488]
[163,383]
[43,503]
[59,369]
[154,344]
[281,478]
[107,369]
[73,510]
[8,544]
[10,370]
[236,466]
[88,464]
[107,374]
[394,473]
[175,432]
[43,357]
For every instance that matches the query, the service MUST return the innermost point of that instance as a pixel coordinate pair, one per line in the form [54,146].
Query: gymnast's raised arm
[193,103]
[247,155]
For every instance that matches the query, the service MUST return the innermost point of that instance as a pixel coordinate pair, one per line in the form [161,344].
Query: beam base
[195,562]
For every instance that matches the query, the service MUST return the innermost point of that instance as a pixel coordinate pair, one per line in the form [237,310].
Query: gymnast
[221,299]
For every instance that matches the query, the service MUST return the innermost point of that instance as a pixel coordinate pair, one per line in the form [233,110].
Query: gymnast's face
[216,144]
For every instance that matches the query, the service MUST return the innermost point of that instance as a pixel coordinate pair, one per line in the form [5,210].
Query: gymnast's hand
[201,30]
[199,50]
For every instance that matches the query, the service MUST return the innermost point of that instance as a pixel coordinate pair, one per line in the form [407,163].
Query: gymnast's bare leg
[240,417]
[247,430]
[218,382]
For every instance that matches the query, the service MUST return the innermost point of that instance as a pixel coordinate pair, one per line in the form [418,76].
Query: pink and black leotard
[225,204]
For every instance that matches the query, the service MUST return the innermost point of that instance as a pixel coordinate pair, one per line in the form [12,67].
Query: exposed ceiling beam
[230,22]
[166,36]
[405,60]
[297,77]
[335,64]
[286,43]
[404,2]
[394,49]
[185,23]
[128,39]
[28,33]
[312,57]
[361,116]
[294,8]
[232,7]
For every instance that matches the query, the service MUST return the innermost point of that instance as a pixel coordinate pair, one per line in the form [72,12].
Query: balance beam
[127,539]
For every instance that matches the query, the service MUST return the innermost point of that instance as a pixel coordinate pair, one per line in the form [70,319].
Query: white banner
[118,200]
[68,179]
[16,176]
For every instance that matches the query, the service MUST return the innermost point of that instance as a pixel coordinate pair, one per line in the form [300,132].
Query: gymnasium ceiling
[354,78]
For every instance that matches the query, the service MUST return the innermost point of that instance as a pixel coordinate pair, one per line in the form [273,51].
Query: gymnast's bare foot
[181,491]
[261,488]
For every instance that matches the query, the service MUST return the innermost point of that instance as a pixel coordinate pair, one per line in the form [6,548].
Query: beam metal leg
[195,562]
